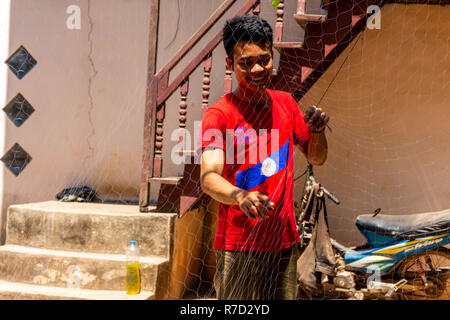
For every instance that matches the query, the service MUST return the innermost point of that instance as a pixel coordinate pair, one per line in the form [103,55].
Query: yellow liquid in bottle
[133,278]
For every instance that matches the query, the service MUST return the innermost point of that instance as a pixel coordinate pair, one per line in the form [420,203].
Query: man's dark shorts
[257,275]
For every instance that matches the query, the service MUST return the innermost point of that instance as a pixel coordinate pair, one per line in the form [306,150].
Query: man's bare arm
[253,204]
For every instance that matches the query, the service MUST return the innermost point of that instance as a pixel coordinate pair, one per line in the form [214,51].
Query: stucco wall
[389,110]
[88,92]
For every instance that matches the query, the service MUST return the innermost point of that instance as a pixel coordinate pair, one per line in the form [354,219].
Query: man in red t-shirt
[247,165]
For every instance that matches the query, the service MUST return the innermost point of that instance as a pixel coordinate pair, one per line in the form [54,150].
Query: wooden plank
[187,259]
[288,45]
[301,6]
[166,180]
[303,19]
[150,107]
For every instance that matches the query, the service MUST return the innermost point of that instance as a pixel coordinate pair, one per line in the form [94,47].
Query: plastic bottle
[133,277]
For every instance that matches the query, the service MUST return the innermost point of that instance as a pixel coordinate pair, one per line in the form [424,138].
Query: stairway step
[166,180]
[287,45]
[303,19]
[57,268]
[23,291]
[92,227]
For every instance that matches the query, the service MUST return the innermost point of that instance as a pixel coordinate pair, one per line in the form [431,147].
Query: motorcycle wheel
[438,285]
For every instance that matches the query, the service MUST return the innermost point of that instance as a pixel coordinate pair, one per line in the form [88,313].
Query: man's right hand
[254,204]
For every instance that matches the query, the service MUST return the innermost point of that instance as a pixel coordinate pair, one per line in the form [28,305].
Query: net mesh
[382,154]
[387,137]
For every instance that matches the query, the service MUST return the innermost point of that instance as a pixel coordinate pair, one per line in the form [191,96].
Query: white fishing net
[385,92]
[386,149]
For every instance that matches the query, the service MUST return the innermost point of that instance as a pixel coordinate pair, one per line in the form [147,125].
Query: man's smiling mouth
[258,79]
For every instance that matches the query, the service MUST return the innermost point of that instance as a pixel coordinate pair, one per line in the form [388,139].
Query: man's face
[252,64]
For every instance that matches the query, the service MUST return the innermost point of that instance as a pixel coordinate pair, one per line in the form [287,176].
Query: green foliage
[275,3]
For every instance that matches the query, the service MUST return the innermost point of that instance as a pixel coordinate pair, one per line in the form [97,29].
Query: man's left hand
[316,119]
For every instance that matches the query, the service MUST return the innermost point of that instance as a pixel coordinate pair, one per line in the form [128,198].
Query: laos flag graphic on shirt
[256,175]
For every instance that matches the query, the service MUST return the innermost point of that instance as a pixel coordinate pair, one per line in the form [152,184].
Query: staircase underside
[324,40]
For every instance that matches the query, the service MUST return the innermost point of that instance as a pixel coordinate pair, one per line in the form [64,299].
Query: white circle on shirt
[268,167]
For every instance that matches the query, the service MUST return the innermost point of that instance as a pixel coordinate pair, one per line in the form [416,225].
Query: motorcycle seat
[406,225]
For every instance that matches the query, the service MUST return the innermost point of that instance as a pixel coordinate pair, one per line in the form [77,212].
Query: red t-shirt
[258,142]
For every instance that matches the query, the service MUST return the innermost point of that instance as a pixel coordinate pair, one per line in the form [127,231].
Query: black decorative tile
[18,110]
[21,62]
[16,159]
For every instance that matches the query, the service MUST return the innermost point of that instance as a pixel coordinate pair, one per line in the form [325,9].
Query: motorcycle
[405,257]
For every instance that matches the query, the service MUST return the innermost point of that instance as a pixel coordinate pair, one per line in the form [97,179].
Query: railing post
[184,89]
[257,8]
[228,80]
[206,82]
[158,160]
[279,24]
[301,7]
[150,109]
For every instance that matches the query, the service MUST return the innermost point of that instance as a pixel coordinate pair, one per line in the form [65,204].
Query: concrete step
[73,269]
[92,227]
[287,45]
[303,19]
[23,291]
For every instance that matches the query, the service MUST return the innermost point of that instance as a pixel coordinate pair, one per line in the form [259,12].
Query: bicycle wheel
[426,263]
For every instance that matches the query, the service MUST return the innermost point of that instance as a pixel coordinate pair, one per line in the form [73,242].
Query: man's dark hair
[246,28]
